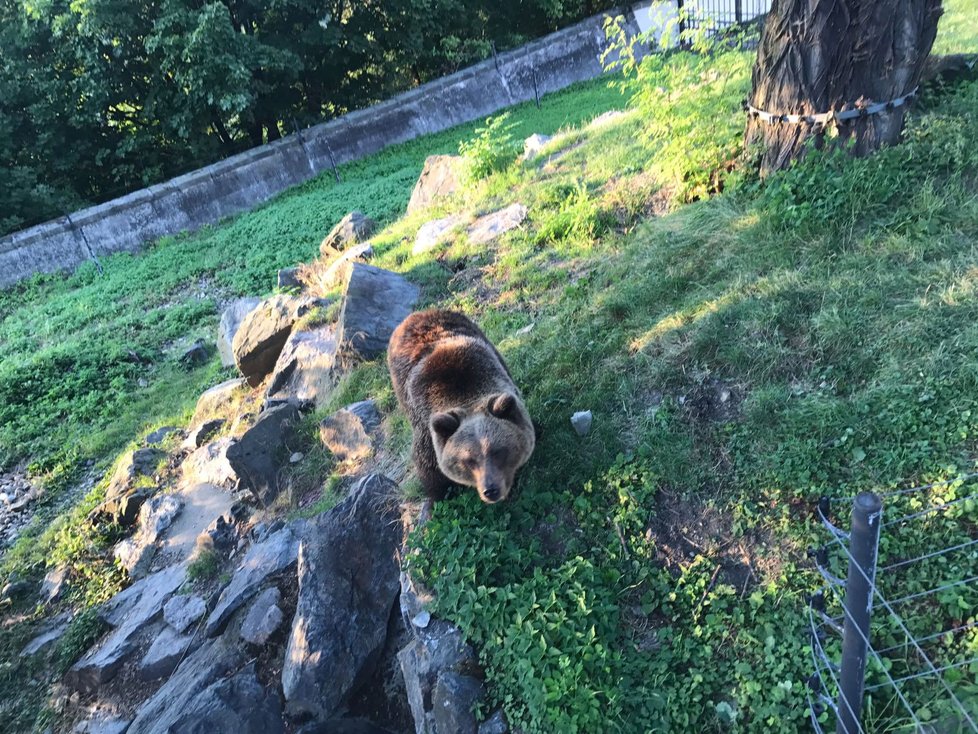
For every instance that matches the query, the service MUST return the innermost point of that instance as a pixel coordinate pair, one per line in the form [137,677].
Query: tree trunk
[819,56]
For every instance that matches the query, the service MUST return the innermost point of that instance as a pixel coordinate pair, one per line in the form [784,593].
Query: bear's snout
[492,493]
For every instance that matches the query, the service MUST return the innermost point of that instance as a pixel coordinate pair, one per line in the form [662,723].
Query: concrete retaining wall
[242,181]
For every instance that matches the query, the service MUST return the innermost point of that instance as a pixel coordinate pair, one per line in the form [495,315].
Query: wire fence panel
[896,643]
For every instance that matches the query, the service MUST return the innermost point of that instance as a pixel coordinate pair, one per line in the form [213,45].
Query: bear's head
[483,448]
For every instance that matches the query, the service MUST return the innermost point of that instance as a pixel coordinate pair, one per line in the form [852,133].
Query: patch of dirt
[713,401]
[683,529]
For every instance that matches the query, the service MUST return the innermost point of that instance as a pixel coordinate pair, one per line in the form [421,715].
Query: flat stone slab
[214,400]
[183,610]
[202,505]
[54,630]
[492,226]
[164,654]
[271,556]
[433,233]
[209,465]
[155,516]
[441,176]
[349,432]
[231,319]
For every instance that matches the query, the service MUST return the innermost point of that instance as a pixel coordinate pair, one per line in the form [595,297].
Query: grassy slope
[836,306]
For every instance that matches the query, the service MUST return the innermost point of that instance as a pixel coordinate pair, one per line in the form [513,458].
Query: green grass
[743,355]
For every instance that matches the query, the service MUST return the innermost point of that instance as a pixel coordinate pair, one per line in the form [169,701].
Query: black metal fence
[713,16]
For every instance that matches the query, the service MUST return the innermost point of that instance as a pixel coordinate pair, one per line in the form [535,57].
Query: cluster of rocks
[16,495]
[312,627]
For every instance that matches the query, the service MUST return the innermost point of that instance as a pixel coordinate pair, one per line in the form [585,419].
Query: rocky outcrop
[231,319]
[190,692]
[209,465]
[304,370]
[129,487]
[349,433]
[267,558]
[288,279]
[354,228]
[136,553]
[255,457]
[216,400]
[441,176]
[129,612]
[348,583]
[262,334]
[376,302]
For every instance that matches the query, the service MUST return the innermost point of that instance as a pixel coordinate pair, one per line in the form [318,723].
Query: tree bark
[818,56]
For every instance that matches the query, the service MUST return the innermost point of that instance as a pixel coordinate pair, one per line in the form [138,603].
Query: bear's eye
[470,462]
[498,456]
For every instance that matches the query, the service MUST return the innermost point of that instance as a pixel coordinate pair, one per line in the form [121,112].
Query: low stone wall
[242,181]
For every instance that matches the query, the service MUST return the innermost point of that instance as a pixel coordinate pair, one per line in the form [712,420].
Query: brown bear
[470,424]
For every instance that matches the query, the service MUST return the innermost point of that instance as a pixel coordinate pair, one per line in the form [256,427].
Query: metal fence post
[867,514]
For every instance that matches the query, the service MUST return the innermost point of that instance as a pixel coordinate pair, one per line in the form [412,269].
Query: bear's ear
[445,424]
[503,406]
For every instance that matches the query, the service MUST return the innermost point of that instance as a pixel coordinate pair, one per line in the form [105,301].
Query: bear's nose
[492,492]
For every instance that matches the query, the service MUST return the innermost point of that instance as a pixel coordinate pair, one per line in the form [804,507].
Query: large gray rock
[164,654]
[255,457]
[433,233]
[491,226]
[209,465]
[441,176]
[263,618]
[304,371]
[273,555]
[354,228]
[495,724]
[263,333]
[231,319]
[376,302]
[183,610]
[349,432]
[129,612]
[190,691]
[216,400]
[348,584]
[136,553]
[453,703]
[326,278]
[436,651]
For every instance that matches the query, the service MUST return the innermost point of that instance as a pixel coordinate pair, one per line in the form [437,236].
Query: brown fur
[469,421]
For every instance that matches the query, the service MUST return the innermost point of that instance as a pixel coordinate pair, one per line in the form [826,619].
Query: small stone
[182,611]
[492,226]
[525,330]
[296,457]
[53,584]
[263,618]
[582,422]
[422,619]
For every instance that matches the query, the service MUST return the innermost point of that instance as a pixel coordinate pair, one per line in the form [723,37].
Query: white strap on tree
[824,118]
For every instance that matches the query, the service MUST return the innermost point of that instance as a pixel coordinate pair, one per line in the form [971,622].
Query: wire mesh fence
[894,643]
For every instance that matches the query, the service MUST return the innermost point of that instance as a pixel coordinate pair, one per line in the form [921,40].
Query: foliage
[100,97]
[492,148]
